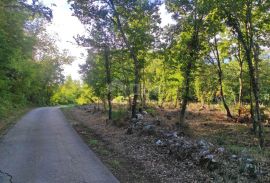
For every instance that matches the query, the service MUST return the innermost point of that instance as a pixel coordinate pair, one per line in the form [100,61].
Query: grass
[238,139]
[151,111]
[11,118]
[119,117]
[115,164]
[118,114]
[93,142]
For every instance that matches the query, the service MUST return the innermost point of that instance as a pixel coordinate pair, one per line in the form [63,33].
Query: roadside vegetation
[10,119]
[30,63]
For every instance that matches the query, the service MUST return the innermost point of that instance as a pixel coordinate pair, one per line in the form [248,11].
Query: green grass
[151,111]
[93,142]
[10,118]
[118,114]
[103,152]
[115,164]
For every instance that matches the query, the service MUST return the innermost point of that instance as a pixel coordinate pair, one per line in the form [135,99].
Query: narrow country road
[43,148]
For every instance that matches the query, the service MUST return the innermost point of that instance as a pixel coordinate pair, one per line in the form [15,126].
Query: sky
[65,27]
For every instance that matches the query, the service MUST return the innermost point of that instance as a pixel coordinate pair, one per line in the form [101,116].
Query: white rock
[221,150]
[159,142]
[139,116]
[144,112]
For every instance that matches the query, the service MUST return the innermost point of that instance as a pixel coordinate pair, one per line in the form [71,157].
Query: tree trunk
[143,90]
[193,53]
[254,125]
[128,95]
[108,80]
[253,73]
[177,100]
[240,99]
[257,115]
[256,51]
[135,61]
[240,60]
[220,75]
[135,89]
[248,45]
[185,96]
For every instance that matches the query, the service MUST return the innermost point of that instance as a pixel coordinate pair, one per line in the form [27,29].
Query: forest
[30,64]
[216,52]
[215,56]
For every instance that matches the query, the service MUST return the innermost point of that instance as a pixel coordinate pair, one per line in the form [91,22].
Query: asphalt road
[43,148]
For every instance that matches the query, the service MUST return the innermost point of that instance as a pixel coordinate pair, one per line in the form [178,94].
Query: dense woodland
[30,63]
[215,52]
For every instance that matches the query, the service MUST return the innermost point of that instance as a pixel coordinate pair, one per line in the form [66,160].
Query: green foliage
[206,86]
[26,75]
[93,142]
[72,92]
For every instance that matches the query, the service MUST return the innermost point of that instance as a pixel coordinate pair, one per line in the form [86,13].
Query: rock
[210,157]
[251,169]
[144,112]
[204,144]
[234,157]
[129,131]
[138,125]
[134,120]
[149,130]
[209,161]
[139,116]
[203,153]
[170,135]
[160,143]
[249,160]
[181,148]
[220,150]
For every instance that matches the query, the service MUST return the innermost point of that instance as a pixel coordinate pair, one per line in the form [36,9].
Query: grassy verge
[11,118]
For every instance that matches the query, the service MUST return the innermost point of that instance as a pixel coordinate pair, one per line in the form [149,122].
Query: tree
[25,78]
[189,15]
[241,20]
[133,22]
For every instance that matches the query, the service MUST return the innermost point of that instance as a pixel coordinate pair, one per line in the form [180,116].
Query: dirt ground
[135,158]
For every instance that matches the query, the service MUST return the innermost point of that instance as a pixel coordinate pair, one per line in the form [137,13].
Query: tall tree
[189,15]
[239,16]
[133,22]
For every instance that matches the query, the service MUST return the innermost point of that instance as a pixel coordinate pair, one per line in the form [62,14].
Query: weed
[115,164]
[93,142]
[104,152]
[151,111]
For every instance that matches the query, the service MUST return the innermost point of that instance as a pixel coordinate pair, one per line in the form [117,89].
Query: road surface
[43,148]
